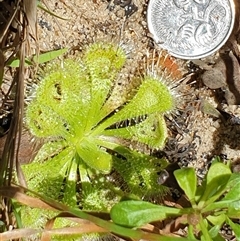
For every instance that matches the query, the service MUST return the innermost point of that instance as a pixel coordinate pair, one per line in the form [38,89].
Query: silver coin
[191,29]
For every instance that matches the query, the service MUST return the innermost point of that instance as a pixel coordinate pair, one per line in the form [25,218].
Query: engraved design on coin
[191,28]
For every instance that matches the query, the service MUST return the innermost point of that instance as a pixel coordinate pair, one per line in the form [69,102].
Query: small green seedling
[215,202]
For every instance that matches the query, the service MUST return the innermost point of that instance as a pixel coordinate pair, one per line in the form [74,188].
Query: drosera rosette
[86,137]
[69,99]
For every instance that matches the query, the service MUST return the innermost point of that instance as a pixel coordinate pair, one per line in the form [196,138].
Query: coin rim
[199,56]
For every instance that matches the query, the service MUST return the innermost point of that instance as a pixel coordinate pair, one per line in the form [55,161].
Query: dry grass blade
[2,60]
[7,165]
[18,194]
[31,13]
[8,157]
[18,233]
[19,108]
[8,22]
[77,230]
[19,21]
[89,222]
[84,227]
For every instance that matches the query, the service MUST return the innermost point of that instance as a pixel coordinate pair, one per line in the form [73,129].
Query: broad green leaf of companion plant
[215,183]
[137,213]
[69,105]
[187,180]
[218,204]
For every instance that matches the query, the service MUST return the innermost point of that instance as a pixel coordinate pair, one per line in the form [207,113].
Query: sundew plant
[86,160]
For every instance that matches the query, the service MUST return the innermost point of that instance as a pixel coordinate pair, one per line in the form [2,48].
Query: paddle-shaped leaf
[152,131]
[187,180]
[137,213]
[216,183]
[235,227]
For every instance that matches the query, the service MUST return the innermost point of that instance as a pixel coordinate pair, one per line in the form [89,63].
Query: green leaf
[234,180]
[218,169]
[103,61]
[39,59]
[16,208]
[69,194]
[94,156]
[40,125]
[235,227]
[48,56]
[152,97]
[233,210]
[152,131]
[217,179]
[214,233]
[137,213]
[233,207]
[47,177]
[209,109]
[57,98]
[204,229]
[234,193]
[217,220]
[14,63]
[187,180]
[138,170]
